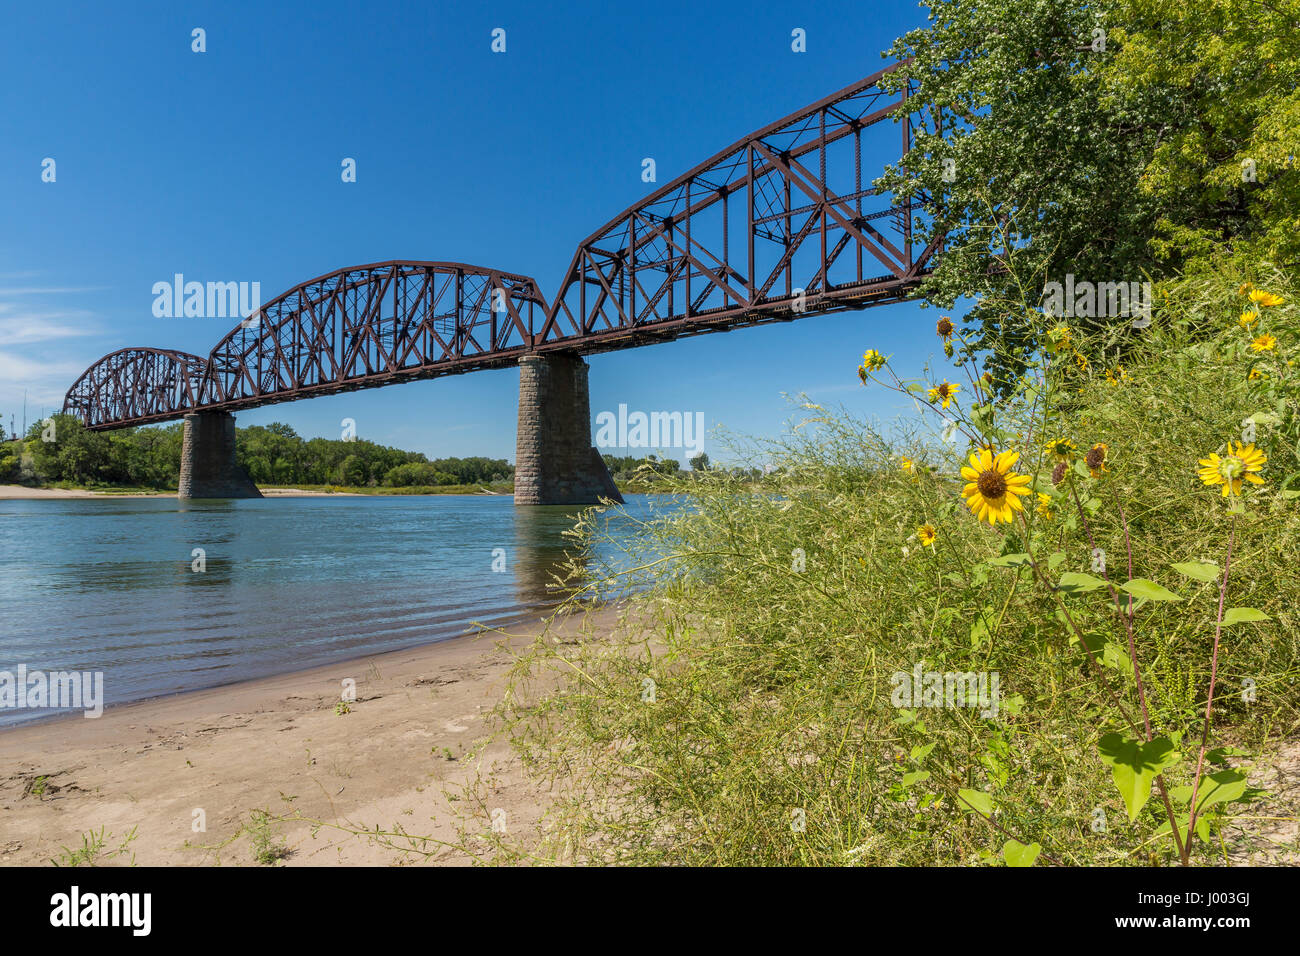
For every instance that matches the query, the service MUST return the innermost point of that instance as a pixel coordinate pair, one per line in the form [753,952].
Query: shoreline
[521,617]
[415,734]
[24,493]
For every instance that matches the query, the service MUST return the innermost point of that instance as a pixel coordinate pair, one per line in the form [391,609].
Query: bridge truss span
[372,325]
[782,223]
[137,386]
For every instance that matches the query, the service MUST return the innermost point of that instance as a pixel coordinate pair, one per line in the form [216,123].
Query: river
[111,586]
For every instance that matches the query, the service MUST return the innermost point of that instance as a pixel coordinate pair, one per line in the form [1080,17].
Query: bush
[418,473]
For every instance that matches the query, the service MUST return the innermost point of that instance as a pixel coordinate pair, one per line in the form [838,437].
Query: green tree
[353,471]
[1102,139]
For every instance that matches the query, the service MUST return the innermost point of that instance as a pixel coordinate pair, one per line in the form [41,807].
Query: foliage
[1104,140]
[628,469]
[749,711]
[273,454]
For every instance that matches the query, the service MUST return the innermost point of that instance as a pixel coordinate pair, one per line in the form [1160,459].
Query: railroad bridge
[775,227]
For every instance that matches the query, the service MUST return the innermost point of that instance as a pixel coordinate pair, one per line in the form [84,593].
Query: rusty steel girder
[781,224]
[358,327]
[137,385]
[777,225]
[372,325]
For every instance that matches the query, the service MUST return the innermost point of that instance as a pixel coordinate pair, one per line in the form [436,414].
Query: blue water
[108,585]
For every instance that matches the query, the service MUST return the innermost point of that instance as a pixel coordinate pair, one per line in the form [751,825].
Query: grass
[778,620]
[94,849]
[267,847]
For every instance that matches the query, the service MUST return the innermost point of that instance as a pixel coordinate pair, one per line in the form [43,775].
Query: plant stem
[1209,698]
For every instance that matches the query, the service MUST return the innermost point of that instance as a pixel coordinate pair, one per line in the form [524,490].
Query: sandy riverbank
[232,750]
[23,492]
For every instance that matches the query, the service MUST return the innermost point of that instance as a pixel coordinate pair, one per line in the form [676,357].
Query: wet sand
[278,744]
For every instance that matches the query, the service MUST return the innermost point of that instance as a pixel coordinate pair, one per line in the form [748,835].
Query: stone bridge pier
[208,467]
[555,461]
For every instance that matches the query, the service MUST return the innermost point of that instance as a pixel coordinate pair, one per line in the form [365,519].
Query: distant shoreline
[28,493]
[23,492]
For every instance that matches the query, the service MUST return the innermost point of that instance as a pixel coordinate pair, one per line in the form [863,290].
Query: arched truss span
[782,223]
[371,325]
[136,386]
[733,241]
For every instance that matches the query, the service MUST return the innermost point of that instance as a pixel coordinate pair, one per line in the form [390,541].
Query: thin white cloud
[40,351]
[45,382]
[27,327]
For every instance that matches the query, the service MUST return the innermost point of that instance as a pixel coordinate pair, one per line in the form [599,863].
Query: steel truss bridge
[781,224]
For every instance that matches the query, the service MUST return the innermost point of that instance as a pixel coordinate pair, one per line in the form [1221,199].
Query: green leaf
[1113,655]
[1148,590]
[976,801]
[1222,787]
[1134,765]
[1009,561]
[1198,570]
[1243,615]
[1017,854]
[1075,582]
[1220,755]
[920,752]
[1202,825]
[1054,561]
[915,776]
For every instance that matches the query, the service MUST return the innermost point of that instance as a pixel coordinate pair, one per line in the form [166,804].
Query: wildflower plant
[1062,537]
[1105,610]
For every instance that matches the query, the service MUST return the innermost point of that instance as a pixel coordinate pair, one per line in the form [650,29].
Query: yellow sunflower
[873,361]
[943,392]
[926,535]
[1260,297]
[1247,318]
[1096,459]
[1255,375]
[907,465]
[1045,506]
[1263,343]
[1058,339]
[1241,462]
[993,491]
[1062,449]
[944,328]
[1244,288]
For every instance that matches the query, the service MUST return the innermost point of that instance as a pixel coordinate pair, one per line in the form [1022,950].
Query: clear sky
[225,166]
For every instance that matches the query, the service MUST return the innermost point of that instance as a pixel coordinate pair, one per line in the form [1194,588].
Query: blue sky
[225,166]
